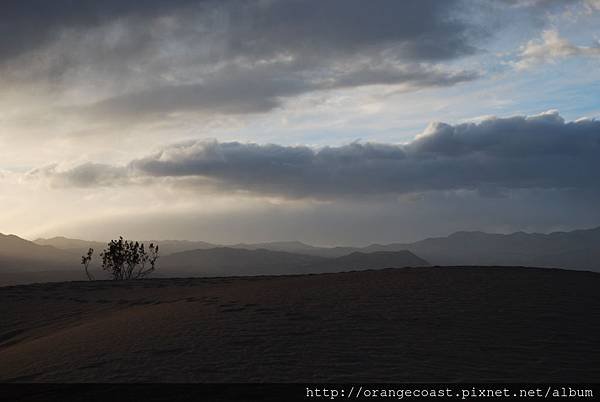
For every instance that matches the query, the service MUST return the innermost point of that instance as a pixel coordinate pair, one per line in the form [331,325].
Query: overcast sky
[330,122]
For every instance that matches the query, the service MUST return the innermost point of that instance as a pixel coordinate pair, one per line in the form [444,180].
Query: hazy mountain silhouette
[578,249]
[27,261]
[80,247]
[234,261]
[298,247]
[19,255]
[23,261]
[177,246]
[75,246]
[357,261]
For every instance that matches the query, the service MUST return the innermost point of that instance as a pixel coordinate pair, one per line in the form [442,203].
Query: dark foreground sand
[414,324]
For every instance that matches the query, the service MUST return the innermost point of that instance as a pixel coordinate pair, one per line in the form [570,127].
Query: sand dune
[27,277]
[413,324]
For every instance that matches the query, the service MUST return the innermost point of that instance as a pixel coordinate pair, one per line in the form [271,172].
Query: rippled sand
[412,324]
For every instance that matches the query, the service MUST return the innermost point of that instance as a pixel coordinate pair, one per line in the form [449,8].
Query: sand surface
[413,324]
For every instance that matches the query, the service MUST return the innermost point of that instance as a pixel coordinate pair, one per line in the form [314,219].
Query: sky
[341,122]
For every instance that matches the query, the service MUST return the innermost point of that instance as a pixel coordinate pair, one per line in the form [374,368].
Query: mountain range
[80,247]
[578,249]
[16,252]
[222,261]
[57,259]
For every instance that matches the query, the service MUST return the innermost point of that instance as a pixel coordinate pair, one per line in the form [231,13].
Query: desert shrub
[85,261]
[125,260]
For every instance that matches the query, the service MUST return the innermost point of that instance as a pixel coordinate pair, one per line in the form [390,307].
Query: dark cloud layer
[239,91]
[419,30]
[134,61]
[536,152]
[257,27]
[423,30]
[27,25]
[151,58]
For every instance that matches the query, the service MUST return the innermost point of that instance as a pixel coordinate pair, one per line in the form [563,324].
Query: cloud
[593,5]
[522,152]
[552,48]
[241,91]
[549,5]
[25,27]
[423,30]
[150,59]
[85,175]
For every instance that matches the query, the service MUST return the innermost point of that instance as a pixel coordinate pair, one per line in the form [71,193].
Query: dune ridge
[412,324]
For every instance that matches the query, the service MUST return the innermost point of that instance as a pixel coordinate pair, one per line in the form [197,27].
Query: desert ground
[412,324]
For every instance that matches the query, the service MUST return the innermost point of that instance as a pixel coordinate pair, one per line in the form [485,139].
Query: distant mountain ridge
[578,249]
[358,261]
[71,245]
[299,247]
[223,261]
[80,247]
[17,254]
[23,261]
